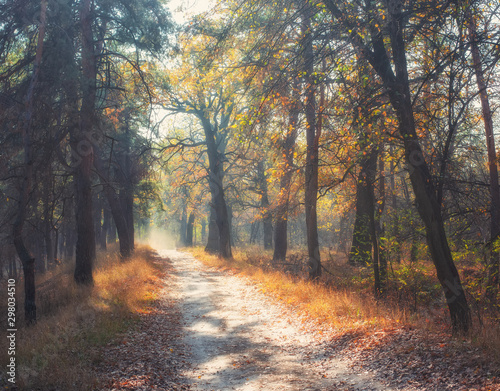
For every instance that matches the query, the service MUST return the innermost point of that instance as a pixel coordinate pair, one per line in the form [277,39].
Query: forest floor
[216,330]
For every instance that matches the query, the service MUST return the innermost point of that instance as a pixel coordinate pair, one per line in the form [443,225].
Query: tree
[288,147]
[215,110]
[83,149]
[26,258]
[312,137]
[493,278]
[398,87]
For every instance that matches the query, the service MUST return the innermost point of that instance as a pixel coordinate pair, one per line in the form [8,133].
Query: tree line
[73,99]
[361,125]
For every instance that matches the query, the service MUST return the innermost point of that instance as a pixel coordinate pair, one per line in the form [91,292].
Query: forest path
[240,339]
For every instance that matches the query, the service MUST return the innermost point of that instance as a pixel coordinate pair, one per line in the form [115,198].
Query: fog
[159,239]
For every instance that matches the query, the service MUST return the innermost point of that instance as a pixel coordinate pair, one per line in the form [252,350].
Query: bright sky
[182,9]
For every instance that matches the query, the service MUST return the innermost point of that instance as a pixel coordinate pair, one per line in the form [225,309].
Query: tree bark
[47,217]
[212,246]
[395,211]
[312,138]
[106,223]
[183,230]
[25,256]
[215,179]
[493,267]
[203,228]
[267,219]
[281,225]
[361,248]
[189,231]
[115,205]
[83,149]
[380,230]
[374,239]
[128,187]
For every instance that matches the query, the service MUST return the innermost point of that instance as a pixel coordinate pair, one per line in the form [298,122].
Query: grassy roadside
[62,350]
[344,302]
[340,308]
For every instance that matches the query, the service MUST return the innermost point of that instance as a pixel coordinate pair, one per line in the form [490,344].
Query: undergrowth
[61,351]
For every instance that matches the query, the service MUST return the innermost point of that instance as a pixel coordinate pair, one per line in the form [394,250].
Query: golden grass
[62,350]
[345,302]
[341,308]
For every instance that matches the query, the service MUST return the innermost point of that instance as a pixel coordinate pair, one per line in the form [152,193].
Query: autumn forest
[346,144]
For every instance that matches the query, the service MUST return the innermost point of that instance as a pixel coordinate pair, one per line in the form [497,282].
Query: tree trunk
[38,248]
[83,149]
[215,179]
[183,230]
[112,229]
[106,223]
[361,248]
[267,219]
[212,246]
[120,220]
[203,228]
[281,225]
[373,237]
[189,231]
[116,205]
[26,258]
[493,269]
[380,230]
[128,188]
[395,211]
[422,183]
[47,218]
[312,138]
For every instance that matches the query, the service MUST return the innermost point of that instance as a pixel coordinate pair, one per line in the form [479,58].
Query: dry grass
[345,302]
[343,308]
[74,322]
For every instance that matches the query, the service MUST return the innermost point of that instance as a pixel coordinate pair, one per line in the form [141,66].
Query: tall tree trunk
[128,187]
[374,239]
[312,138]
[69,229]
[267,219]
[422,183]
[493,269]
[56,245]
[254,231]
[116,205]
[380,230]
[183,230]
[26,258]
[212,246]
[120,221]
[281,225]
[112,230]
[83,148]
[394,207]
[361,248]
[189,230]
[215,178]
[106,223]
[47,217]
[203,228]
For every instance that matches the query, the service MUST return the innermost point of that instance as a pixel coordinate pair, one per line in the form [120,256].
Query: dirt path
[239,339]
[211,330]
